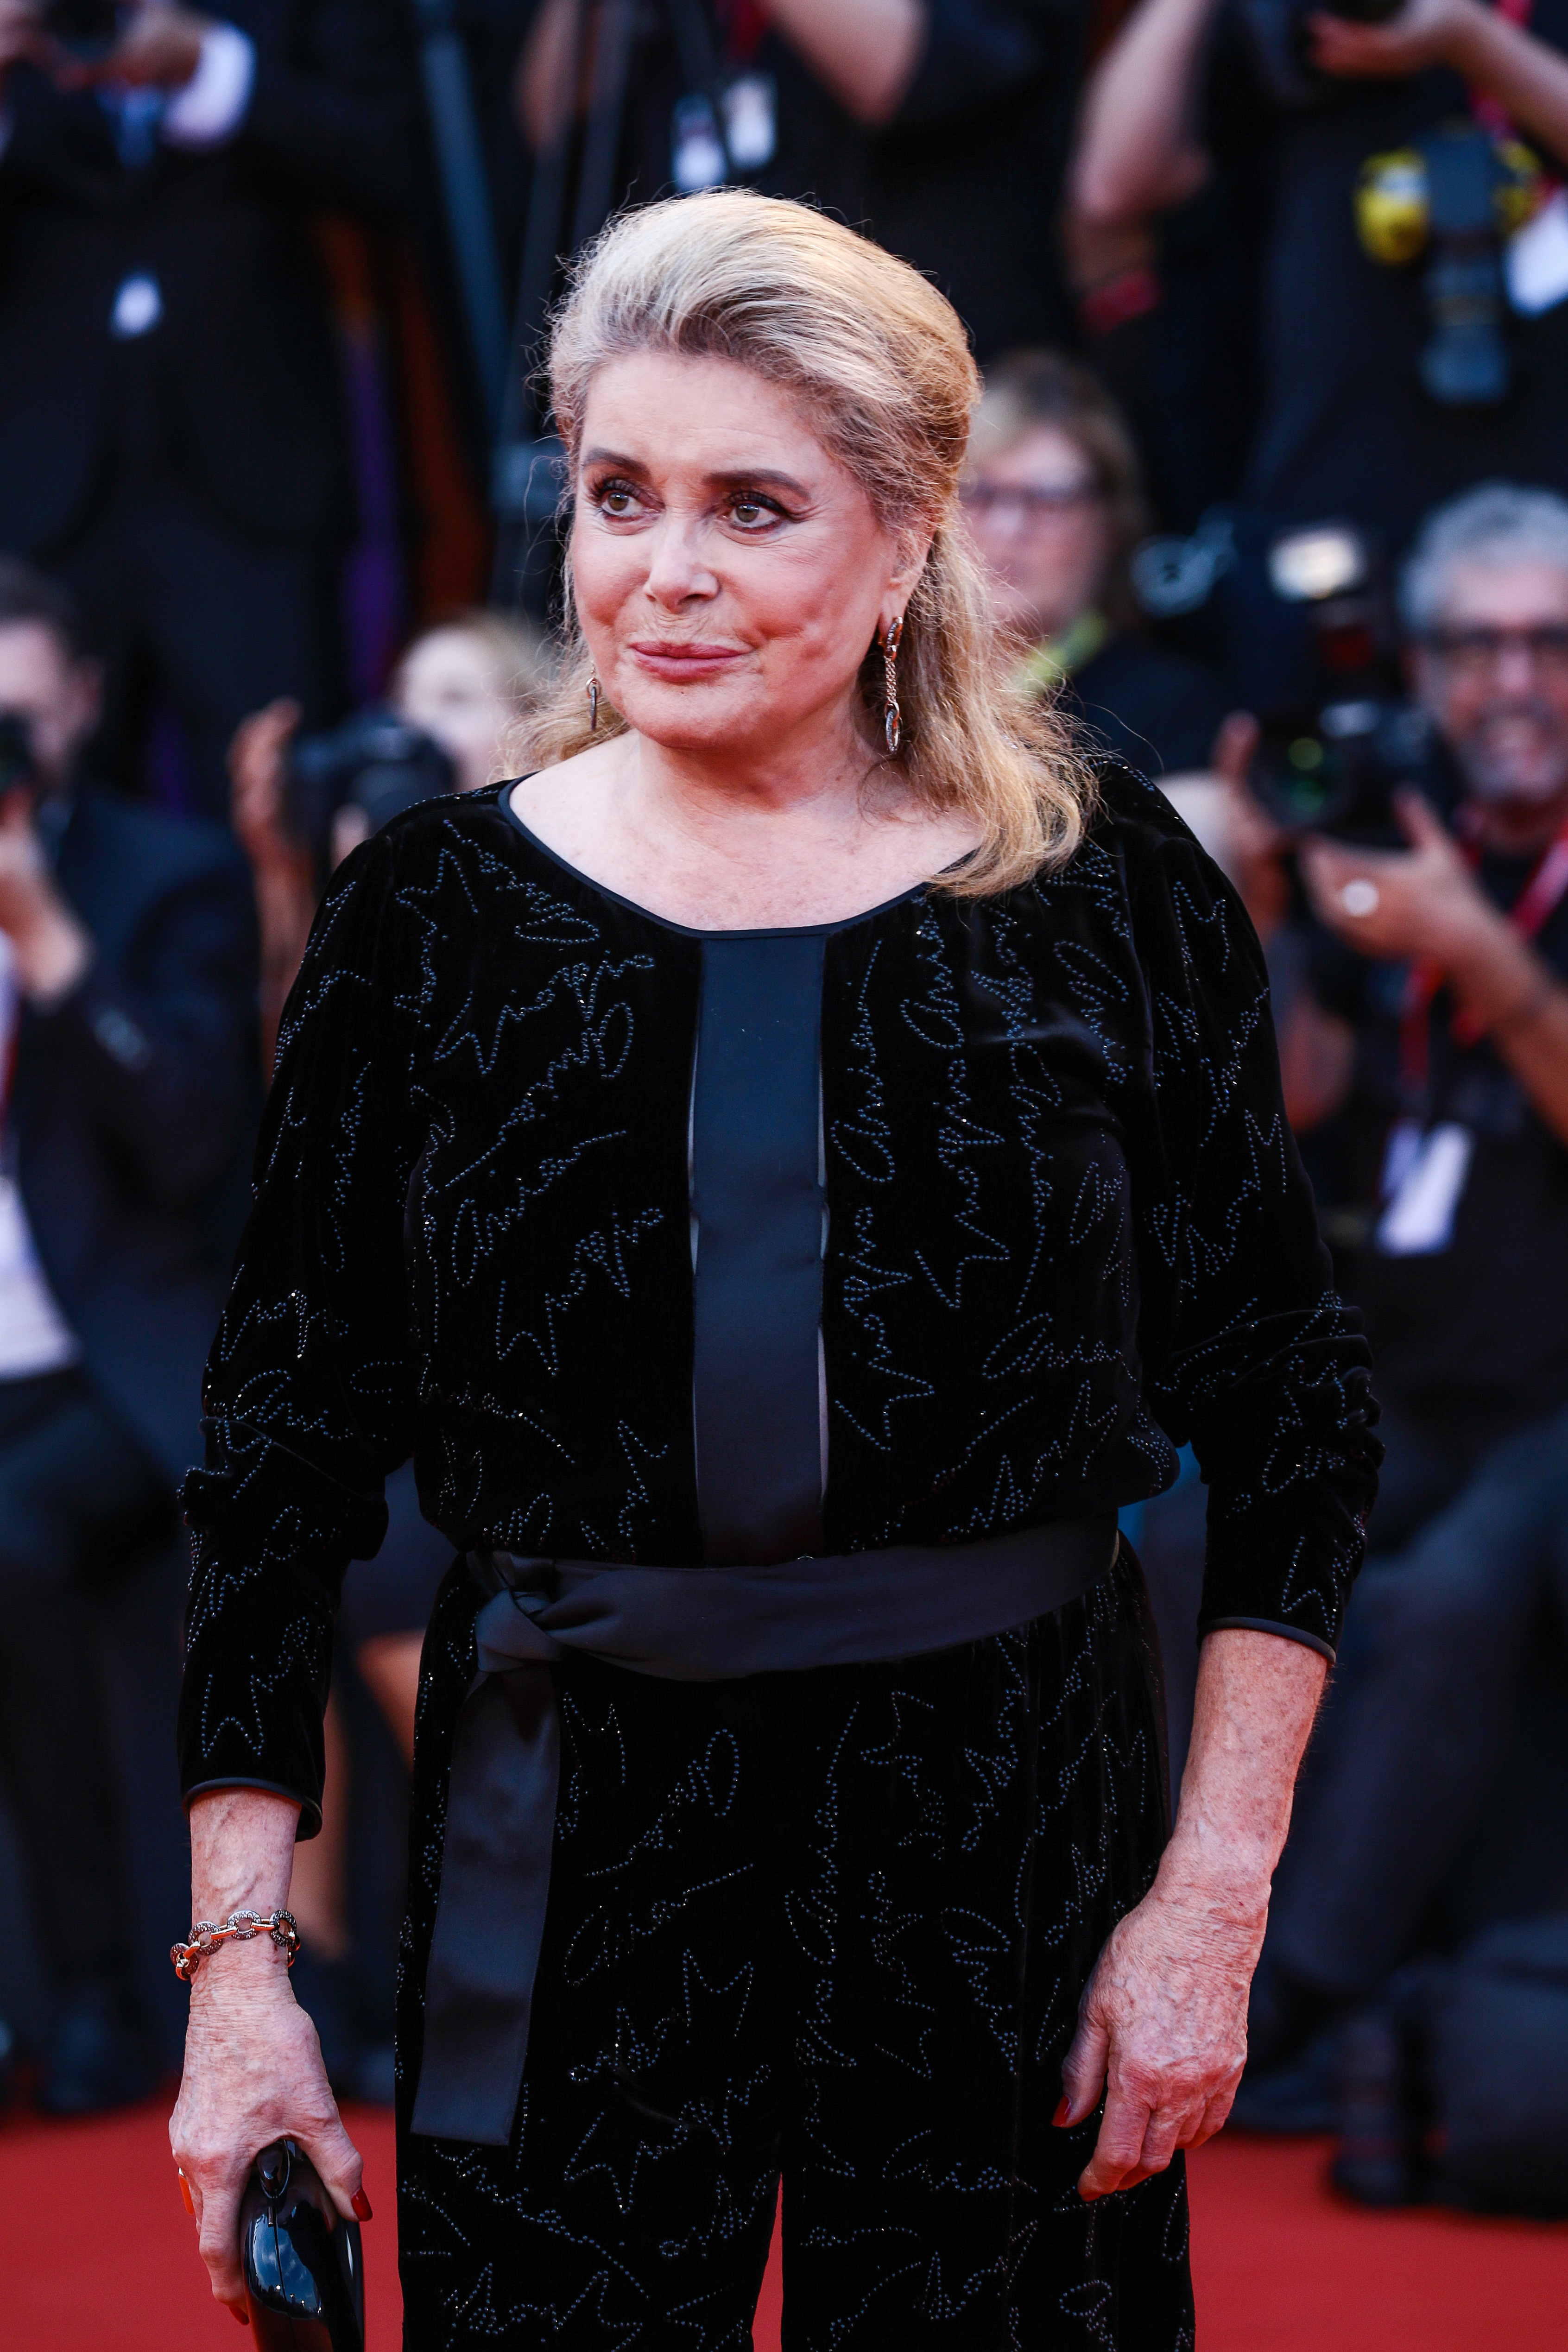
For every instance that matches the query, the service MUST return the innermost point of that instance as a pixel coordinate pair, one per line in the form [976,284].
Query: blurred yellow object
[1521,189]
[1392,201]
[1393,211]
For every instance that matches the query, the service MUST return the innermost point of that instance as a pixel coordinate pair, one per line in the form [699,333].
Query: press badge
[1424,1175]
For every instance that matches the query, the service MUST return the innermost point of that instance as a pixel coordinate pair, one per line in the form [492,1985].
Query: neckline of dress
[687,930]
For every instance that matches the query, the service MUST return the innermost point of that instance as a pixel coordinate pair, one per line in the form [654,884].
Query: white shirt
[34,1335]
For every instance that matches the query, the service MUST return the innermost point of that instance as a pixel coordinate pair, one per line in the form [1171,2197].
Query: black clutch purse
[304,2273]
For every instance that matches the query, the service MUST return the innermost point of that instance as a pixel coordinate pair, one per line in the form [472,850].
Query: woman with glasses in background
[1054,497]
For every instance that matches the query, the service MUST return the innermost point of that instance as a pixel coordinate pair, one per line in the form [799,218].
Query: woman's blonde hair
[880,363]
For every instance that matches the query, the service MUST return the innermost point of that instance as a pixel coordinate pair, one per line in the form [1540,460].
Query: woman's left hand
[1162,2023]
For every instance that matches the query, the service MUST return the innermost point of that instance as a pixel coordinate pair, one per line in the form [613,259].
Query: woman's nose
[677,568]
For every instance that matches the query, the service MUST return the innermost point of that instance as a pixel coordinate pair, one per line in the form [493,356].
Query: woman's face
[1038,516]
[447,685]
[728,573]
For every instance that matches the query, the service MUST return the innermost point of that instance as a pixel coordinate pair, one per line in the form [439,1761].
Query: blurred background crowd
[1272,472]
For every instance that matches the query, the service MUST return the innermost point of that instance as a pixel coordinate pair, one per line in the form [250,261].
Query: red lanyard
[1540,897]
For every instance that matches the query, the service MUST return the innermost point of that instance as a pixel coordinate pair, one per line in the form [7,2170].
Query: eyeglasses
[1027,502]
[1470,652]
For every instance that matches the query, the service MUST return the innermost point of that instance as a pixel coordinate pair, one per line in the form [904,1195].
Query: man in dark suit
[127,1016]
[172,437]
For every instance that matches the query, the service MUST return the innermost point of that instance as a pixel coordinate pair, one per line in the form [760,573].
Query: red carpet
[98,2255]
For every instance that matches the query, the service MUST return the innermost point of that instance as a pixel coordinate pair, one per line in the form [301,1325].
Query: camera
[375,761]
[1332,763]
[1449,199]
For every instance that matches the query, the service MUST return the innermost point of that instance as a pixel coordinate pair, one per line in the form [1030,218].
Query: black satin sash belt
[684,1624]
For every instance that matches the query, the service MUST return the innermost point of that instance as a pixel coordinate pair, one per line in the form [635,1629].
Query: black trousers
[180,606]
[829,1927]
[77,1500]
[1420,1709]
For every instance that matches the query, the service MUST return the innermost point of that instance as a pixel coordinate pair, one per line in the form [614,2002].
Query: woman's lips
[682,660]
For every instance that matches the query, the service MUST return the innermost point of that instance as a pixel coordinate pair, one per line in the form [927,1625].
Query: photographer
[127,972]
[1411,341]
[172,437]
[1452,957]
[301,807]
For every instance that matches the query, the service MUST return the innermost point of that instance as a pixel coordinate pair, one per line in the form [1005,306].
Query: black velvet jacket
[1068,1226]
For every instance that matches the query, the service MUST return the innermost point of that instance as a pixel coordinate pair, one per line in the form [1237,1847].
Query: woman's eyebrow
[759,478]
[727,478]
[612,457]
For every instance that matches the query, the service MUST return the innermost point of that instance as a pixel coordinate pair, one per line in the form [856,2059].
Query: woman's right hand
[253,2074]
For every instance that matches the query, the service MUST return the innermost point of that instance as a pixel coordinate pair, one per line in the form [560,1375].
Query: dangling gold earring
[892,720]
[594,704]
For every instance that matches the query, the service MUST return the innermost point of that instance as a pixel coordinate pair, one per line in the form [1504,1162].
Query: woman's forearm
[253,2065]
[1138,150]
[1163,2025]
[1257,1695]
[242,1853]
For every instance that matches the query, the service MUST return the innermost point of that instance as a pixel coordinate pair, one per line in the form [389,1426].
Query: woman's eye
[616,499]
[751,512]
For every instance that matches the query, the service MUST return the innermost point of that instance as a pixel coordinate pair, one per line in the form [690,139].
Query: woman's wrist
[1218,1871]
[1496,975]
[240,1976]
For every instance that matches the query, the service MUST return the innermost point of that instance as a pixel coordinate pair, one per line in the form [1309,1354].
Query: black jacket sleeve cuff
[1269,1625]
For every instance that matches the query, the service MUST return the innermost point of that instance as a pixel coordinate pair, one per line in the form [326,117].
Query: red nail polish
[186,2193]
[361,2204]
[243,2317]
[1062,2112]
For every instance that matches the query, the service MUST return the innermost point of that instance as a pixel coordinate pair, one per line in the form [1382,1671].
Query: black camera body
[303,2263]
[376,762]
[1329,759]
[1333,767]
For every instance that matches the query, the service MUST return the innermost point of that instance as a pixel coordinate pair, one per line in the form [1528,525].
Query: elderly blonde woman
[786,1169]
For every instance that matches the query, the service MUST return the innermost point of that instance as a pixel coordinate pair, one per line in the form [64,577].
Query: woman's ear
[910,549]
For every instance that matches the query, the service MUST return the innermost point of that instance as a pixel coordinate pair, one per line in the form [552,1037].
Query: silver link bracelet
[241,1927]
